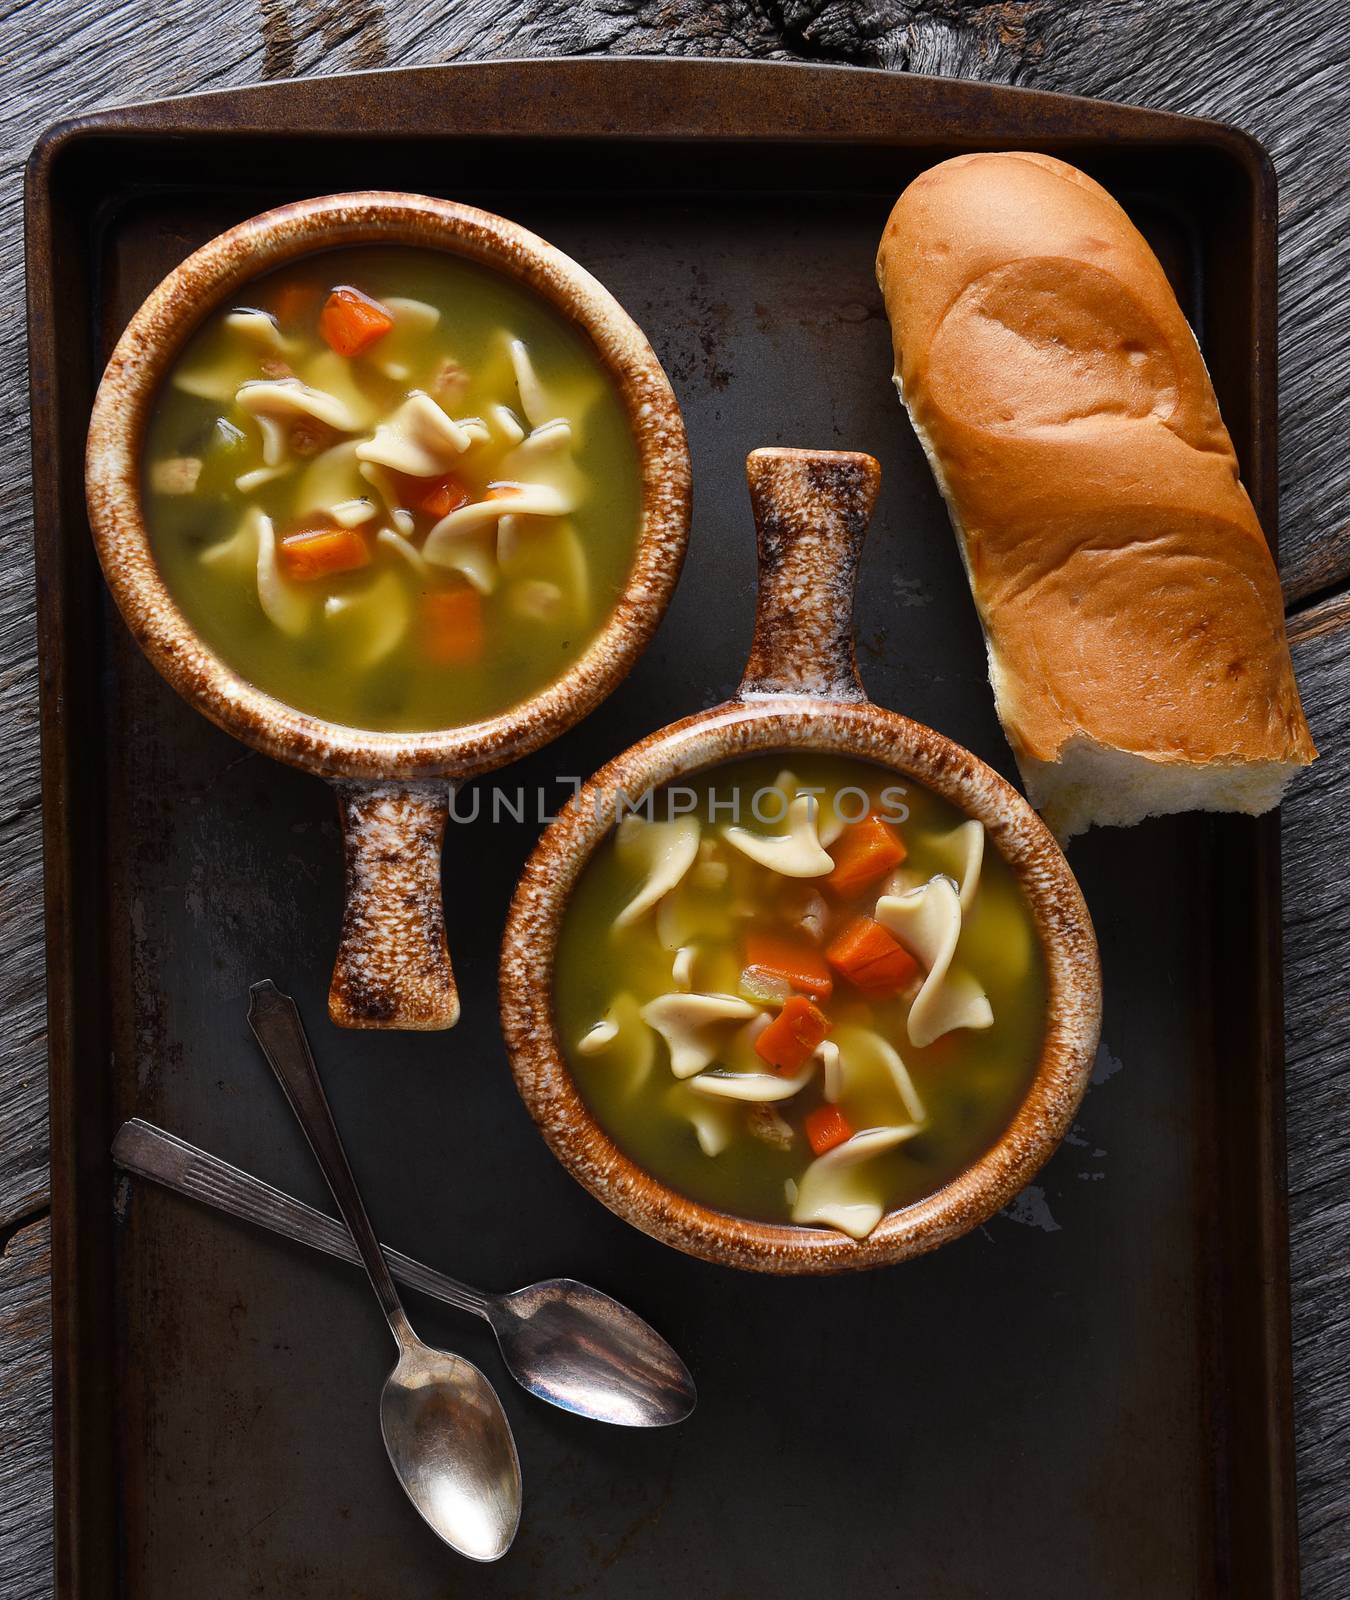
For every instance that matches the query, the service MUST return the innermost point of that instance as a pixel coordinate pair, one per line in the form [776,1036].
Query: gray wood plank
[1276,69]
[25,1416]
[1317,1032]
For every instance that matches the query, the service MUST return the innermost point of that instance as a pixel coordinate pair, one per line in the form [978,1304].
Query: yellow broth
[970,1082]
[400,642]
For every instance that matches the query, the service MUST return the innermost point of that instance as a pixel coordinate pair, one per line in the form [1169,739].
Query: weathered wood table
[1276,67]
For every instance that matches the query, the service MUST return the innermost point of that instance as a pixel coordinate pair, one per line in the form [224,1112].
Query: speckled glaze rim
[784,724]
[209,277]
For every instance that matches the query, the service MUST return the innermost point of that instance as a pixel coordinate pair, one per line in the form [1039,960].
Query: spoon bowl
[447,1436]
[573,1346]
[451,1448]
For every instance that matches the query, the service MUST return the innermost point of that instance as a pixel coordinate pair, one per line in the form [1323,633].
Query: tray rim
[202,110]
[317,111]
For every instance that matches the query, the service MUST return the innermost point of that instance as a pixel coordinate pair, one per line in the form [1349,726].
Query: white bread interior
[1090,785]
[1131,612]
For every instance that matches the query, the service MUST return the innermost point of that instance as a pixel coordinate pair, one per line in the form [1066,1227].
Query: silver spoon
[563,1341]
[443,1425]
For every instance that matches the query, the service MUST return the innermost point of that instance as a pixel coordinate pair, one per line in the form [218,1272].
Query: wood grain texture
[1316,824]
[25,1416]
[1276,68]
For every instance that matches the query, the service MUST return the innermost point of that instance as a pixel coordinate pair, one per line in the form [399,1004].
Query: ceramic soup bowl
[800,692]
[393,789]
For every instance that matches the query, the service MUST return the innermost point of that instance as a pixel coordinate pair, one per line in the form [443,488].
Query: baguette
[1131,609]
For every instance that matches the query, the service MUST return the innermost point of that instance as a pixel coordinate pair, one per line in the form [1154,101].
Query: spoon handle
[277,1028]
[164,1158]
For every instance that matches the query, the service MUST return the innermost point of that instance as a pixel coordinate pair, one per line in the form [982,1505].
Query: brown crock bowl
[392,969]
[801,692]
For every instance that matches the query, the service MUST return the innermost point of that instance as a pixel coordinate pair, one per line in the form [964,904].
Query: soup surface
[806,994]
[392,489]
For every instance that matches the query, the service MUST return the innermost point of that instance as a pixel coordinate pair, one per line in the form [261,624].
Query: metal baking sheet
[1088,1395]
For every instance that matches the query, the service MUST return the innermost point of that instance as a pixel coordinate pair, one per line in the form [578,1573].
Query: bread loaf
[1131,608]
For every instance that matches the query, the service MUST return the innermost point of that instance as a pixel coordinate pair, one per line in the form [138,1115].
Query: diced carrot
[862,941]
[294,303]
[503,491]
[452,626]
[445,494]
[863,853]
[311,553]
[438,497]
[789,1041]
[351,321]
[826,1127]
[801,964]
[866,954]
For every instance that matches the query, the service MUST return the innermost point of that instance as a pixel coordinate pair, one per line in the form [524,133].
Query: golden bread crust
[1126,589]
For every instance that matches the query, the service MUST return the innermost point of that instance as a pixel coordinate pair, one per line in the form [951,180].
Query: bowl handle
[393,968]
[811,512]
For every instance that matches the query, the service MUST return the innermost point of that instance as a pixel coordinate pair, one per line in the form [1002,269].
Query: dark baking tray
[1088,1396]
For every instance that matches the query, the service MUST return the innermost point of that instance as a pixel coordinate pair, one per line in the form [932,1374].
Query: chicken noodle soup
[392,488]
[805,993]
